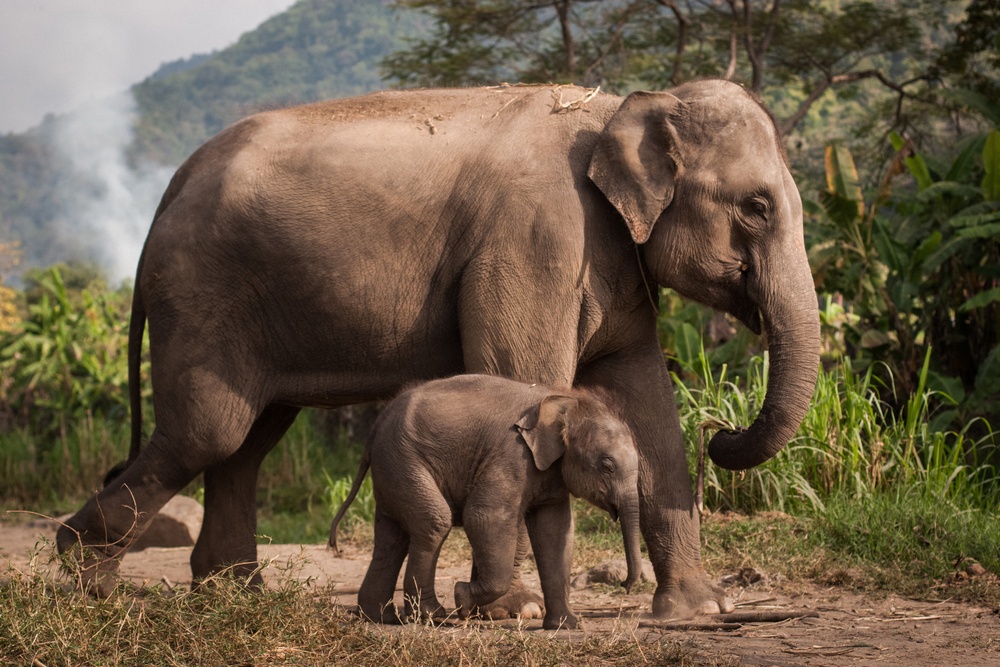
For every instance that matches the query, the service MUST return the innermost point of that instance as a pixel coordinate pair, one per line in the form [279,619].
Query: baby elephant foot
[518,602]
[567,621]
[387,614]
[463,599]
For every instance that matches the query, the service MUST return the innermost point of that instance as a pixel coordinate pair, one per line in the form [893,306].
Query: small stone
[176,525]
[612,572]
[975,569]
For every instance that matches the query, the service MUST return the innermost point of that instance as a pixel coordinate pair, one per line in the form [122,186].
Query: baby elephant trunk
[628,516]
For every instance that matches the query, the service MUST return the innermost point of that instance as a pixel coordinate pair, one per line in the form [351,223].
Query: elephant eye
[608,465]
[758,205]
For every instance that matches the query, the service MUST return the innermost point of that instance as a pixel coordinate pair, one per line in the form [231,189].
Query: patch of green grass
[904,543]
[57,478]
[910,542]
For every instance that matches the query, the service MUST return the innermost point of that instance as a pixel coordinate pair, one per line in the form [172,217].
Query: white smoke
[116,205]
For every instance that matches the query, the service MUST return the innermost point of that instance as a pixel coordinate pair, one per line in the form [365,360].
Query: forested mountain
[318,49]
[62,179]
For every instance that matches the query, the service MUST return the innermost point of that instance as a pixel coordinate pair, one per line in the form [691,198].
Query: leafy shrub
[67,360]
[914,265]
[363,507]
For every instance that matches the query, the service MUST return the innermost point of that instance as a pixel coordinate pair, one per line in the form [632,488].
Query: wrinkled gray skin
[329,254]
[490,454]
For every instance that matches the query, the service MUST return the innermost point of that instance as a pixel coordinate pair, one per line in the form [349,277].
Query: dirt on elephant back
[829,626]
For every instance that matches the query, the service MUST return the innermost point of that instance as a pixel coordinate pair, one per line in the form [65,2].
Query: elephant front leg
[551,530]
[639,384]
[494,543]
[519,317]
[519,601]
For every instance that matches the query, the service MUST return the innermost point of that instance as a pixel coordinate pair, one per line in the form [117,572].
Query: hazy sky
[58,54]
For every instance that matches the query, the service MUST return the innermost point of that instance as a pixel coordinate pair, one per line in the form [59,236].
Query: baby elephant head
[599,460]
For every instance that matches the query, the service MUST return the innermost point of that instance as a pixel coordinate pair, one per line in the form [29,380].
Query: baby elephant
[489,453]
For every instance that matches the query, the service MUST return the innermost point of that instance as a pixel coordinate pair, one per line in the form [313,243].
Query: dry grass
[45,623]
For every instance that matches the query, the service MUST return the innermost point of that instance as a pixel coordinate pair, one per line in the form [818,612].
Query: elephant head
[599,461]
[700,178]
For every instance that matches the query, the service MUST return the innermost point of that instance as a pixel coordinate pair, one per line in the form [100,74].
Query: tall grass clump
[850,443]
[879,494]
[54,478]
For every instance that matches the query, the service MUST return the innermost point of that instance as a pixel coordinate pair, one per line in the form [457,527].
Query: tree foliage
[793,52]
[66,359]
[912,266]
[10,256]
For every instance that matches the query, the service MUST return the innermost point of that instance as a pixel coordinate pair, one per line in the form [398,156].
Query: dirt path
[848,629]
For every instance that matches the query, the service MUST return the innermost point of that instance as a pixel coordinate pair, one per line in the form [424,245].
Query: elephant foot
[387,614]
[463,599]
[95,567]
[518,602]
[690,596]
[567,621]
[431,610]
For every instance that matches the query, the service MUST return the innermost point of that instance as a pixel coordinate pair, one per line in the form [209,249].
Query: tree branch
[789,123]
[731,67]
[676,76]
[619,29]
[829,81]
[562,10]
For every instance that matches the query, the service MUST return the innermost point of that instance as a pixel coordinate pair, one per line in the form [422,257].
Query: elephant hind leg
[379,585]
[227,541]
[202,423]
[428,529]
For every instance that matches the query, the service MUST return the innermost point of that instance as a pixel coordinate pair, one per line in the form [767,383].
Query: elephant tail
[358,479]
[136,329]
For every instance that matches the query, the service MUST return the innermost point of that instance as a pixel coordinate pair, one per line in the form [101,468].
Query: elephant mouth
[613,512]
[749,315]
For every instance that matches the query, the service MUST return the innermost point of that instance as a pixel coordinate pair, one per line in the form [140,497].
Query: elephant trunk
[793,345]
[628,516]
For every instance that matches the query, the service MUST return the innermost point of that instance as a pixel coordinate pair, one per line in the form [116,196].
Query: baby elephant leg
[550,528]
[428,528]
[493,537]
[379,585]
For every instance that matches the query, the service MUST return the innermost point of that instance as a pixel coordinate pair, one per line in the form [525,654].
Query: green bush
[913,264]
[66,361]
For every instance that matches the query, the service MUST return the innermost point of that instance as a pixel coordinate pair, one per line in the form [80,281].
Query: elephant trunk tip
[727,450]
[630,581]
[749,447]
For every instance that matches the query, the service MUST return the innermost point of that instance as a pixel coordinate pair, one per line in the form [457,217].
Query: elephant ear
[544,430]
[636,161]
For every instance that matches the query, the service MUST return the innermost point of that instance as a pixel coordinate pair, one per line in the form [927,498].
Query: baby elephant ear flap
[636,161]
[544,429]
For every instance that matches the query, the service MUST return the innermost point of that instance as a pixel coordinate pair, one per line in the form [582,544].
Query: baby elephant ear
[544,429]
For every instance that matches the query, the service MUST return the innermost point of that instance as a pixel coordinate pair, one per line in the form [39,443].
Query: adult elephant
[329,254]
